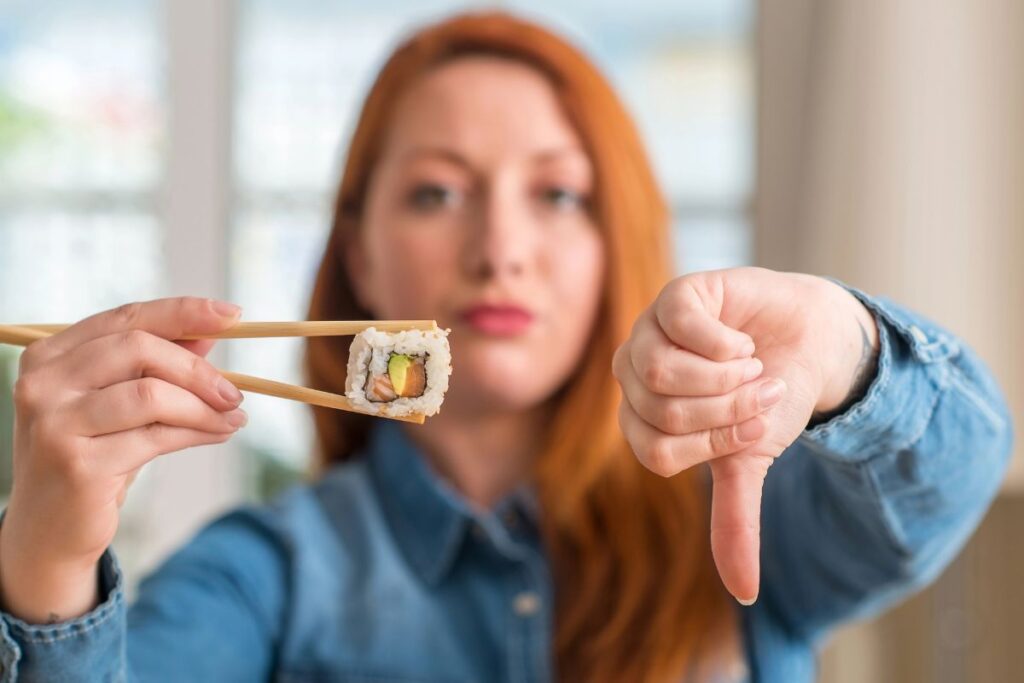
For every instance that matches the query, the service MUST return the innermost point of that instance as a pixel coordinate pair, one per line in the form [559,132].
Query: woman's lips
[498,320]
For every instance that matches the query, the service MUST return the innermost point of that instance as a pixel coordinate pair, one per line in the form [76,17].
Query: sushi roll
[398,374]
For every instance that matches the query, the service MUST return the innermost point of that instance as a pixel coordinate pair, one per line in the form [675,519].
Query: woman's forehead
[482,106]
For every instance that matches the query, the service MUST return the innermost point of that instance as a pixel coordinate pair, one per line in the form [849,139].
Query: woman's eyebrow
[558,153]
[443,152]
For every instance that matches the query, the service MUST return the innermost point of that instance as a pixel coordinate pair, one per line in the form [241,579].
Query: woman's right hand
[93,404]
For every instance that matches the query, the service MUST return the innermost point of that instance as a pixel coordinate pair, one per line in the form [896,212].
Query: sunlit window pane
[711,242]
[79,99]
[61,265]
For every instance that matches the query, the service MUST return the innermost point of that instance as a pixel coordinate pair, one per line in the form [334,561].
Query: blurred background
[167,147]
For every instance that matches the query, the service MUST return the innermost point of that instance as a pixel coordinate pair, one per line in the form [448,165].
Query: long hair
[638,598]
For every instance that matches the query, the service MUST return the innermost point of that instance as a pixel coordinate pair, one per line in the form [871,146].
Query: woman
[495,183]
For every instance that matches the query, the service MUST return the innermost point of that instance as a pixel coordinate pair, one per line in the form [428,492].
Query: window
[80,140]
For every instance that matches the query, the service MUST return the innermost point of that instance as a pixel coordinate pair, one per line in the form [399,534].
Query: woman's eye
[563,198]
[430,196]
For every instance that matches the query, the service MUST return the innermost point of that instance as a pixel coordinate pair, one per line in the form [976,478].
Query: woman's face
[477,215]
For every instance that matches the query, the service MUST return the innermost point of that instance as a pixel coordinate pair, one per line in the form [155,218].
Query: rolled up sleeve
[91,647]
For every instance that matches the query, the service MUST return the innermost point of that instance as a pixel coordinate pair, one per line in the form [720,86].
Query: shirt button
[918,334]
[526,604]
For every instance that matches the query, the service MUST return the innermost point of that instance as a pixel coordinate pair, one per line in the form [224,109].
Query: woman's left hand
[727,367]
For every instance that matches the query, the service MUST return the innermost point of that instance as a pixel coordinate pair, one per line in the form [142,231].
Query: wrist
[39,589]
[854,354]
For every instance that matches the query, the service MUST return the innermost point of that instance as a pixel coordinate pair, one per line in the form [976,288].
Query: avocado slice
[398,370]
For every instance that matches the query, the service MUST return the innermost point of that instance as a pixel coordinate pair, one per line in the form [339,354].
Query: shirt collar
[428,519]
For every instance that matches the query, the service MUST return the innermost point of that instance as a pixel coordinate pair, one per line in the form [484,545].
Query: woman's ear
[354,259]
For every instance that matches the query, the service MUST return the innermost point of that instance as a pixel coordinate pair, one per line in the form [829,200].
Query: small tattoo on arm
[866,366]
[863,375]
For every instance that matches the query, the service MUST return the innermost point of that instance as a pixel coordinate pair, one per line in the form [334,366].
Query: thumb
[736,522]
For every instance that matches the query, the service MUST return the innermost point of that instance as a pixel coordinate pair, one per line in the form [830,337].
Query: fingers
[200,347]
[681,415]
[665,368]
[129,355]
[127,451]
[128,405]
[167,318]
[736,522]
[687,322]
[670,433]
[667,455]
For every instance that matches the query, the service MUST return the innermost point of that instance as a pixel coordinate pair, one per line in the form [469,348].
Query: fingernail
[752,370]
[748,349]
[237,418]
[770,392]
[228,391]
[751,430]
[747,603]
[224,309]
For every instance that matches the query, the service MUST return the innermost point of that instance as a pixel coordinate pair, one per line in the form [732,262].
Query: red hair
[638,598]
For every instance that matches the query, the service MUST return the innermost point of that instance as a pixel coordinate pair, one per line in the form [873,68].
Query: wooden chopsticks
[309,328]
[23,335]
[18,335]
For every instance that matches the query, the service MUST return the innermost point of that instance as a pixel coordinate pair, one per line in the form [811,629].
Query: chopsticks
[17,335]
[315,397]
[23,335]
[308,328]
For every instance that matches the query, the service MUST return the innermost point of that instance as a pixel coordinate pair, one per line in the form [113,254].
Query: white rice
[370,352]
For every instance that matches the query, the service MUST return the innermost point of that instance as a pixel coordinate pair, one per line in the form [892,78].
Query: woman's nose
[499,242]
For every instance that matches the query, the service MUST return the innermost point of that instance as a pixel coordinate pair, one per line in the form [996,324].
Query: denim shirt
[380,572]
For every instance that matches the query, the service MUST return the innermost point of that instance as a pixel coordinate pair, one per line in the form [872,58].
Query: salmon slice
[379,389]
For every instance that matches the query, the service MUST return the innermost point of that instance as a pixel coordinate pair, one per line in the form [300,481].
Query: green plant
[18,121]
[268,474]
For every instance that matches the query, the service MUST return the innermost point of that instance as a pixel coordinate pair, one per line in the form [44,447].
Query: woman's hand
[727,367]
[93,404]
